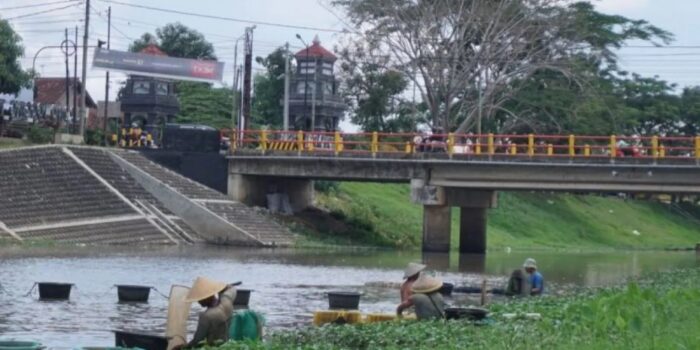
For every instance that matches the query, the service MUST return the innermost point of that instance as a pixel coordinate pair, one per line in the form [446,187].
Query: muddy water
[288,284]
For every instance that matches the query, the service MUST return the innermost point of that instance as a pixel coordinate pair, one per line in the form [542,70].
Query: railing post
[477,147]
[300,141]
[550,149]
[375,143]
[613,147]
[655,147]
[697,148]
[407,148]
[263,140]
[572,146]
[490,146]
[662,151]
[587,150]
[513,149]
[530,145]
[450,144]
[232,141]
[338,144]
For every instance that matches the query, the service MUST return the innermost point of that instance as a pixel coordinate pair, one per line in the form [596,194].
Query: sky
[679,64]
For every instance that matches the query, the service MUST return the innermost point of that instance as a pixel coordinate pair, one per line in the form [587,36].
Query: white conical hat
[204,288]
[530,262]
[426,284]
[412,269]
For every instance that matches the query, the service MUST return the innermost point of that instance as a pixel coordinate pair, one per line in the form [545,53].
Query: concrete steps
[138,231]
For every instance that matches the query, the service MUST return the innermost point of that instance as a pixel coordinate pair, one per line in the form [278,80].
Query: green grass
[8,142]
[661,311]
[523,220]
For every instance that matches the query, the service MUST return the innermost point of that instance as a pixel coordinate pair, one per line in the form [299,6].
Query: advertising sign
[158,66]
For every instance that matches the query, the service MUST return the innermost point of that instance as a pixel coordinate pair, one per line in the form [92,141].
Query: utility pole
[240,105]
[75,80]
[83,110]
[247,78]
[109,37]
[66,48]
[285,114]
[313,96]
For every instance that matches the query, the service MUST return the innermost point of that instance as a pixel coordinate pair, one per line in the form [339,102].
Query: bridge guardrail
[457,145]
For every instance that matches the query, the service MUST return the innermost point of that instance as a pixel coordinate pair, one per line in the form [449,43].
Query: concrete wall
[209,169]
[253,190]
[210,226]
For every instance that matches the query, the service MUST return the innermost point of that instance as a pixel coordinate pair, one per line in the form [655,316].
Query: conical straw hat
[530,262]
[426,284]
[412,269]
[204,288]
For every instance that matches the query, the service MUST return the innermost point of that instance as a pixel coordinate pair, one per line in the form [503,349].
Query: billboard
[158,66]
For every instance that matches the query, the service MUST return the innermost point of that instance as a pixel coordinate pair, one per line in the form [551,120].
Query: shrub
[37,134]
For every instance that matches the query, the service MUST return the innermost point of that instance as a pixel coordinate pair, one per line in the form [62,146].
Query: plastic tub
[133,294]
[19,345]
[446,289]
[469,313]
[242,297]
[54,291]
[343,300]
[139,340]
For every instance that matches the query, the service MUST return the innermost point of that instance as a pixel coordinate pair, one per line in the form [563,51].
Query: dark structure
[149,102]
[315,84]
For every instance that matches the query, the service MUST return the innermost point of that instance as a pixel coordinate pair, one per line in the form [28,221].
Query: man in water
[214,322]
[410,275]
[535,278]
[426,298]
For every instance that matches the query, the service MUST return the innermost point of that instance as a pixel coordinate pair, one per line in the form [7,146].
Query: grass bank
[382,215]
[659,312]
[9,142]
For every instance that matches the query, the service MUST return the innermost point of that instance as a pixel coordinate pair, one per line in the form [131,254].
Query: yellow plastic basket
[337,317]
[372,318]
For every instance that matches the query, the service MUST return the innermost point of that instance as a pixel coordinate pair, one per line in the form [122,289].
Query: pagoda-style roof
[315,51]
[153,49]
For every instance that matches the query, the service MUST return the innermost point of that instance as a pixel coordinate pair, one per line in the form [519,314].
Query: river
[288,285]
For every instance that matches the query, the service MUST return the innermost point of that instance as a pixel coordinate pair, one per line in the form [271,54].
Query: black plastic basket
[126,339]
[468,313]
[343,300]
[133,294]
[446,289]
[242,297]
[54,291]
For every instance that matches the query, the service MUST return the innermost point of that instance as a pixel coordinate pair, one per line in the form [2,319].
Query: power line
[41,12]
[230,19]
[36,5]
[111,24]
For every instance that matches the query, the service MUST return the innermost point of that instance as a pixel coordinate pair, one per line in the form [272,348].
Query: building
[314,103]
[52,91]
[149,102]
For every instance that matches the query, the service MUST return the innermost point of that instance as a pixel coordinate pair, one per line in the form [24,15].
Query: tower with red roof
[314,103]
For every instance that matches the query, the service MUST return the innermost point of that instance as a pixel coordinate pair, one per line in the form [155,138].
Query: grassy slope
[7,142]
[524,220]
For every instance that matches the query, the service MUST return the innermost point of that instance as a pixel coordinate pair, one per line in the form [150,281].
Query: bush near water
[658,312]
[382,215]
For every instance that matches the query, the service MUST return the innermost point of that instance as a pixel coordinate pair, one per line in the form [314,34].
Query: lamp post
[306,78]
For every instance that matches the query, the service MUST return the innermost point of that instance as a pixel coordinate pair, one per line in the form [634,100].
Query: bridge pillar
[474,205]
[253,190]
[437,220]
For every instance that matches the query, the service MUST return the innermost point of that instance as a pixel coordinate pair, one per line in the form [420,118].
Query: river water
[288,285]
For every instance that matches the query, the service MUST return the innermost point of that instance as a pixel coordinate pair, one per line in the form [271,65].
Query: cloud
[621,6]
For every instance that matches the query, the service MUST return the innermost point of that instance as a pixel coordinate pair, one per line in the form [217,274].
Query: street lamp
[306,79]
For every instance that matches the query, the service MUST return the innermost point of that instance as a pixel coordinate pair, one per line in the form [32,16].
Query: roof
[114,109]
[52,91]
[153,49]
[315,51]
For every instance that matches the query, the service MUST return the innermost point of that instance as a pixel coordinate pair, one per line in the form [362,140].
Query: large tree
[12,77]
[269,90]
[469,58]
[177,40]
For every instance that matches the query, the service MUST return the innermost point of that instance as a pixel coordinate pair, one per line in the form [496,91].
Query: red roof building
[316,51]
[52,91]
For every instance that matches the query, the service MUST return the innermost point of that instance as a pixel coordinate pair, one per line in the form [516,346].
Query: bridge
[454,170]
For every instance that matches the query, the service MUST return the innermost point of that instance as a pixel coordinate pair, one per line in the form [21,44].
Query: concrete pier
[437,225]
[472,230]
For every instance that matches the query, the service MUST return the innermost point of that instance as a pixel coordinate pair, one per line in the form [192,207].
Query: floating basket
[337,317]
[468,313]
[133,294]
[54,291]
[343,300]
[139,340]
[242,298]
[372,318]
[19,345]
[446,289]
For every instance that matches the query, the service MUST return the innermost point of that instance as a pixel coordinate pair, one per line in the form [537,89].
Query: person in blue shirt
[535,278]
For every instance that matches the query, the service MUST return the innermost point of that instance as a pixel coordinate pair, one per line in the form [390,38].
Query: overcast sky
[679,65]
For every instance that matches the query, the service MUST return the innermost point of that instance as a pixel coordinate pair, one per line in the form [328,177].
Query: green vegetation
[382,214]
[10,142]
[657,312]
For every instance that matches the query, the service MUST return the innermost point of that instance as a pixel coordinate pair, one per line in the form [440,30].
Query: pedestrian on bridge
[535,279]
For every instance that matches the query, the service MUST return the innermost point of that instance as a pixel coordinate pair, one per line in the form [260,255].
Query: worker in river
[410,276]
[535,279]
[426,298]
[214,322]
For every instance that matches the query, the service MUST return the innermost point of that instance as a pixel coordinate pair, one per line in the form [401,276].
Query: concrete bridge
[469,180]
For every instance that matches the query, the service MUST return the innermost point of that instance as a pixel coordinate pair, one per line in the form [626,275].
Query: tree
[471,57]
[202,104]
[12,77]
[373,90]
[177,40]
[269,90]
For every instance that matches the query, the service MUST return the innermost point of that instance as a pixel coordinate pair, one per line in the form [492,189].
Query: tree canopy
[12,76]
[269,90]
[177,40]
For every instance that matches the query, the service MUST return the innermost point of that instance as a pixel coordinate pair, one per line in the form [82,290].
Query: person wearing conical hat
[214,322]
[410,275]
[535,279]
[426,298]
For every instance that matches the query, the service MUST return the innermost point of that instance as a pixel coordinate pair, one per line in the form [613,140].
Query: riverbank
[382,215]
[660,311]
